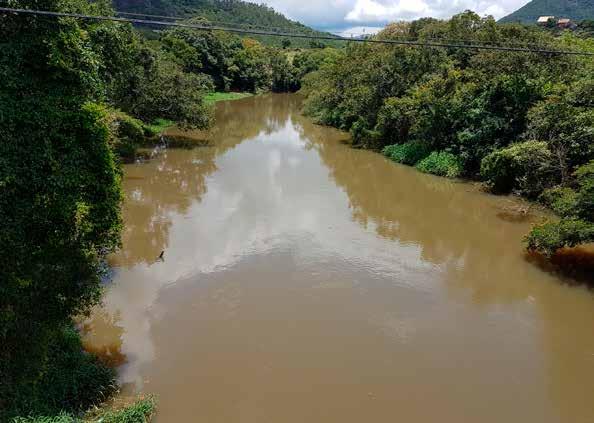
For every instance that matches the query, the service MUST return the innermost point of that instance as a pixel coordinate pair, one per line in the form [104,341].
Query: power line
[348,36]
[289,35]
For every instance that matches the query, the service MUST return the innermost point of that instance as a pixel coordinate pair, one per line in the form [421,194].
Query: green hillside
[577,10]
[229,12]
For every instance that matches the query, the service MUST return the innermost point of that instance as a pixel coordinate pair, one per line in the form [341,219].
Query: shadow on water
[573,266]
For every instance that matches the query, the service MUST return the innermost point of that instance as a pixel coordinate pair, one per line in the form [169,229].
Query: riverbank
[519,126]
[574,259]
[159,125]
[212,98]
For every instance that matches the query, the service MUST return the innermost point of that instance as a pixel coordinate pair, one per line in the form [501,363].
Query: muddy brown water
[306,281]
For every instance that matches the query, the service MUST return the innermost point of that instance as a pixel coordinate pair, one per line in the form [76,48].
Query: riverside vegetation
[77,99]
[521,123]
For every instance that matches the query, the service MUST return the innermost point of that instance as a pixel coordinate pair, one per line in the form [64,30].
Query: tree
[59,182]
[565,120]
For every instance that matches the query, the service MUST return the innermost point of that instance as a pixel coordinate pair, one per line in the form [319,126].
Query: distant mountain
[229,12]
[578,10]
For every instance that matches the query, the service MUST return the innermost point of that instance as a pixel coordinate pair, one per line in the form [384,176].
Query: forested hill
[577,10]
[233,12]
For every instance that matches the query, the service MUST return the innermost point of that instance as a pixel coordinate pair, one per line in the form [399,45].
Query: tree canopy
[522,122]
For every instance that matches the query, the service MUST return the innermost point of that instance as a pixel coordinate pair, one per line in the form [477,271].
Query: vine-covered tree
[59,184]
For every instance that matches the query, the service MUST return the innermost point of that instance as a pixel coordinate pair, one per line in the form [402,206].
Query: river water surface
[306,281]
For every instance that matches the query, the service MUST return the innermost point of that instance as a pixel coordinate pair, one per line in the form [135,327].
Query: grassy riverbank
[139,411]
[212,98]
[159,125]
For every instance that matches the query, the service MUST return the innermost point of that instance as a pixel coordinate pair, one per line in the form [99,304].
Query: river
[306,281]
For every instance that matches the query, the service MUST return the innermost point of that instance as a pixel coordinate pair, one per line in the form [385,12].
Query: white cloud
[339,15]
[391,10]
[372,10]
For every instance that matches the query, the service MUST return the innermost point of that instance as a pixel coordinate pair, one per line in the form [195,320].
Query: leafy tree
[165,91]
[565,120]
[252,70]
[527,167]
[59,182]
[283,73]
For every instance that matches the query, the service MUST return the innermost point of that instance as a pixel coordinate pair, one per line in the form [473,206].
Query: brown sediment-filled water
[306,281]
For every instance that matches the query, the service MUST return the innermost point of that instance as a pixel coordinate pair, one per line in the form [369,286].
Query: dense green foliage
[60,189]
[523,123]
[529,13]
[441,163]
[242,65]
[526,167]
[143,80]
[72,97]
[73,380]
[551,236]
[409,153]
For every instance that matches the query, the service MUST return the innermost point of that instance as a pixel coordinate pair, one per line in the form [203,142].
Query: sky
[352,16]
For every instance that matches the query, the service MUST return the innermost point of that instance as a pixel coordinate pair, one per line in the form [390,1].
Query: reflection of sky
[418,260]
[269,193]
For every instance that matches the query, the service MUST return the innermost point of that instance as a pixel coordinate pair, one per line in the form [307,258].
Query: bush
[72,382]
[561,200]
[551,236]
[409,153]
[585,197]
[441,163]
[127,134]
[526,167]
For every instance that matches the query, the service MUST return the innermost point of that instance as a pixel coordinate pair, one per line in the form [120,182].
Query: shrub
[526,167]
[409,153]
[561,200]
[441,163]
[549,237]
[73,381]
[585,197]
[127,134]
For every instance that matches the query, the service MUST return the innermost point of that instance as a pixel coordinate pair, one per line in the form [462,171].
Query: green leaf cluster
[441,163]
[409,153]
